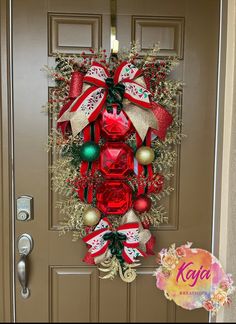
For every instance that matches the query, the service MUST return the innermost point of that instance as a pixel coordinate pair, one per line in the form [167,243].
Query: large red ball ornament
[115,126]
[114,197]
[142,204]
[116,160]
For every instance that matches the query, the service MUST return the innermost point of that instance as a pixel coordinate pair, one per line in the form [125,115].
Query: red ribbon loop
[76,84]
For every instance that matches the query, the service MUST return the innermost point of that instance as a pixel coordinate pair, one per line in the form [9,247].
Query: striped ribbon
[90,133]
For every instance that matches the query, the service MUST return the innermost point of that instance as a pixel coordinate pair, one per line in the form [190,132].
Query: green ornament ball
[89,151]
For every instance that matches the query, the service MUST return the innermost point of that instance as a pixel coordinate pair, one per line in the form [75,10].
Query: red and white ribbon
[138,242]
[86,107]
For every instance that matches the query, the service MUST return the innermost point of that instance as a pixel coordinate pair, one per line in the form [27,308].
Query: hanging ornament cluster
[117,130]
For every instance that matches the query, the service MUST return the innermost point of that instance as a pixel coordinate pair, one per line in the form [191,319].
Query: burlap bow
[127,90]
[128,242]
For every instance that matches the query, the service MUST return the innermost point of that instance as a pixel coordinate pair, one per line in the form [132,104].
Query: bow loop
[126,71]
[99,89]
[127,242]
[96,75]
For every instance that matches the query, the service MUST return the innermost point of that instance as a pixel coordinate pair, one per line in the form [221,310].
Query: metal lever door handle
[25,246]
[23,275]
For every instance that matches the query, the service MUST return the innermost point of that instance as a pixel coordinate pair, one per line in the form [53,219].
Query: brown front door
[63,288]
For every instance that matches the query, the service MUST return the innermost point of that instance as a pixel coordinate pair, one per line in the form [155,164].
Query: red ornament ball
[115,126]
[142,204]
[116,160]
[114,197]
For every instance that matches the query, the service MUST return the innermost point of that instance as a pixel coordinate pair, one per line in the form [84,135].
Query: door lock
[24,208]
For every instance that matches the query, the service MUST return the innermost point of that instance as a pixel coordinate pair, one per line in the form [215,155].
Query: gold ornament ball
[145,155]
[91,216]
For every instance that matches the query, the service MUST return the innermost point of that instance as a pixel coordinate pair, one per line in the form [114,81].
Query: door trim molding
[219,126]
[7,188]
[219,131]
[221,241]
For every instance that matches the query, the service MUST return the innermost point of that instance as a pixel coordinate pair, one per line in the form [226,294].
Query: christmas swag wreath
[115,145]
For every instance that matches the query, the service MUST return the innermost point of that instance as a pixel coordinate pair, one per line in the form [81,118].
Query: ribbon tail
[89,259]
[62,125]
[101,258]
[130,254]
[157,118]
[141,118]
[146,242]
[76,86]
[78,122]
[164,119]
[150,245]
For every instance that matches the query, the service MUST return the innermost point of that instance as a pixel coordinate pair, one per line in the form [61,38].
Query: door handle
[25,246]
[22,273]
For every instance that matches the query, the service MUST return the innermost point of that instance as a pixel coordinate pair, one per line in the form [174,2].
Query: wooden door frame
[223,240]
[7,299]
[7,200]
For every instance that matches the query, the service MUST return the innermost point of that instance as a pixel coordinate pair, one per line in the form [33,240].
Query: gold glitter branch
[72,210]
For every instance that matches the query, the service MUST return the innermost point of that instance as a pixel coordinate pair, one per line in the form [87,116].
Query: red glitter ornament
[142,204]
[114,198]
[116,160]
[115,126]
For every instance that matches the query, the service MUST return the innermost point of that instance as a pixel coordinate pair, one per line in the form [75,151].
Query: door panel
[66,282]
[142,306]
[63,288]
